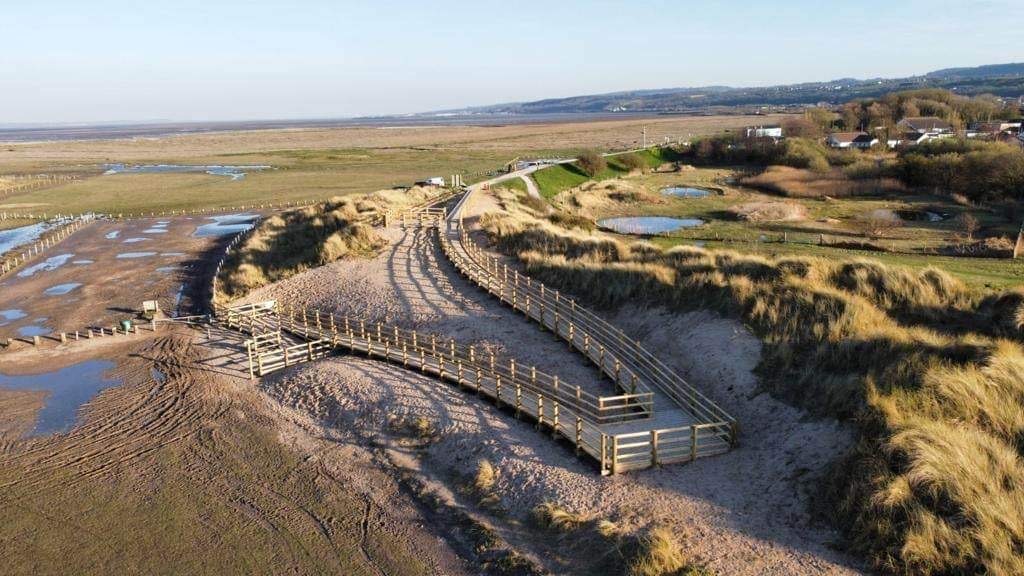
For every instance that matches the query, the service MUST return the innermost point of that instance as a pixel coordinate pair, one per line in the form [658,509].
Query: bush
[632,161]
[591,162]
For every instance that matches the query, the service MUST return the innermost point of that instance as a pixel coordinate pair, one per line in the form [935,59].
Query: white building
[851,140]
[764,132]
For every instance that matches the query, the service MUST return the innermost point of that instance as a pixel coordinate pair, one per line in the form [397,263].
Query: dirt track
[184,471]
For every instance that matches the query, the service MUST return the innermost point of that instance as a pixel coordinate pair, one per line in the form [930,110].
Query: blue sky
[68,61]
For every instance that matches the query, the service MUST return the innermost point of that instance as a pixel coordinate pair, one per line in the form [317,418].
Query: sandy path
[744,512]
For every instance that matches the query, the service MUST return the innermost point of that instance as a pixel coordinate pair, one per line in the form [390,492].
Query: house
[908,139]
[926,125]
[851,140]
[993,129]
[764,132]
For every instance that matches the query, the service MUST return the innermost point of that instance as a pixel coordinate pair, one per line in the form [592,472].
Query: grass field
[309,164]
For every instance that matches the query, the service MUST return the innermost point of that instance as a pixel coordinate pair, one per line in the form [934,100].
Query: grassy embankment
[930,370]
[562,177]
[288,243]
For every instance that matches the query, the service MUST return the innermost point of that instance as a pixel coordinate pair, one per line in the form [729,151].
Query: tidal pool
[51,263]
[233,172]
[685,192]
[648,225]
[68,389]
[221,225]
[61,289]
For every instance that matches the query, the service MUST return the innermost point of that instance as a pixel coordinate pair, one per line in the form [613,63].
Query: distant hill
[999,79]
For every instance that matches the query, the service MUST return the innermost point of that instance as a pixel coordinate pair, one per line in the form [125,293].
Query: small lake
[648,225]
[232,172]
[221,225]
[68,389]
[685,192]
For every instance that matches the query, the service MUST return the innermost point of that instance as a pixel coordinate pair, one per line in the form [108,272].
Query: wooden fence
[48,241]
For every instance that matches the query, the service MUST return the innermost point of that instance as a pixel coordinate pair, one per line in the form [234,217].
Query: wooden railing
[623,359]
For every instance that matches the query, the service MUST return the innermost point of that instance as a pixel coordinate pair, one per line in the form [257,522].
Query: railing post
[579,434]
[615,455]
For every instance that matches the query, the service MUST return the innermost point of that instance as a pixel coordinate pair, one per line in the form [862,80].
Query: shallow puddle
[155,231]
[229,224]
[69,388]
[165,269]
[173,254]
[51,263]
[124,255]
[82,262]
[644,225]
[113,235]
[61,289]
[33,330]
[8,316]
[134,240]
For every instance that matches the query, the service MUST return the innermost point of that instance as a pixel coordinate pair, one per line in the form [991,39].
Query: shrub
[632,161]
[591,162]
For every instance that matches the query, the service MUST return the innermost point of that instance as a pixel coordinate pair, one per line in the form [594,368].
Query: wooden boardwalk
[655,418]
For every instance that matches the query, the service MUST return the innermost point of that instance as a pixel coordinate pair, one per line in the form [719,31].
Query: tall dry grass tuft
[932,372]
[293,241]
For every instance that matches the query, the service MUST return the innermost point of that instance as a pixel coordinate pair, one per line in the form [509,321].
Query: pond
[685,192]
[15,237]
[648,225]
[232,172]
[221,225]
[68,389]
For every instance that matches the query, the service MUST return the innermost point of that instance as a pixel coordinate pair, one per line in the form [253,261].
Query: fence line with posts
[49,240]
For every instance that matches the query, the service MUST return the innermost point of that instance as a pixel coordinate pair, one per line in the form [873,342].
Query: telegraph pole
[645,137]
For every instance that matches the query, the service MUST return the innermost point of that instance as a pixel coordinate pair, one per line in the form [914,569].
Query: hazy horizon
[112,62]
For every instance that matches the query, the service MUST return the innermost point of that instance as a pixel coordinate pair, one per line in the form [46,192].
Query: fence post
[654,448]
[693,442]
